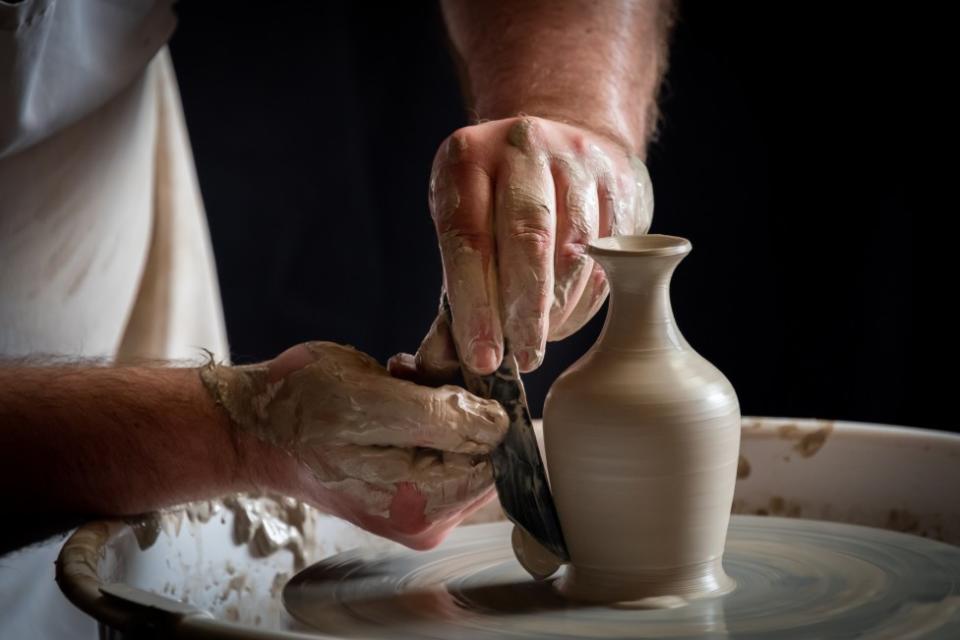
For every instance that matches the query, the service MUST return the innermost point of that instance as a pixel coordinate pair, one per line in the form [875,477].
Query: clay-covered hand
[405,461]
[515,203]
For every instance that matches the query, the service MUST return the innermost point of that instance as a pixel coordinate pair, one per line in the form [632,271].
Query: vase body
[642,439]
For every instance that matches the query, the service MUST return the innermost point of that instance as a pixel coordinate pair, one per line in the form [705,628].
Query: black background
[790,154]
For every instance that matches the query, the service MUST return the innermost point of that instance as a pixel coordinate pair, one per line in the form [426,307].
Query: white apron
[104,246]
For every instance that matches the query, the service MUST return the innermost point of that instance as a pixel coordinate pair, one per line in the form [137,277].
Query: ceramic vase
[642,438]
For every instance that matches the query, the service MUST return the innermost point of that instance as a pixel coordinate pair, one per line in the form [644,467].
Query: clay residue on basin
[264,524]
[808,443]
[811,443]
[147,527]
[928,525]
[743,467]
[774,506]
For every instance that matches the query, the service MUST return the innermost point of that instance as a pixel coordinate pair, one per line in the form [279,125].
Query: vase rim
[652,244]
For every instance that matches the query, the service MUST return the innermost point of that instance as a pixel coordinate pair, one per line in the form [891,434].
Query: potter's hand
[404,461]
[515,202]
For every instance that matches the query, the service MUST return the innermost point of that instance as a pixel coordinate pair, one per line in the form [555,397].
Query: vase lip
[651,244]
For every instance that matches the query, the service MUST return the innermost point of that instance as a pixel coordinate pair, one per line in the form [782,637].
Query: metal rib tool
[518,470]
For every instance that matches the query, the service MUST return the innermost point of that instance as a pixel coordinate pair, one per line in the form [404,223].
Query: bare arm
[592,64]
[80,441]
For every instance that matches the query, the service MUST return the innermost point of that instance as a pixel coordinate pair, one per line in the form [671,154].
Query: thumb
[436,361]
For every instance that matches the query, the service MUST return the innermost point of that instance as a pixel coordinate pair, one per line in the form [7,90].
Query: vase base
[653,590]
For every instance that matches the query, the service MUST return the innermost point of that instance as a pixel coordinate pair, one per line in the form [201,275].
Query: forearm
[593,64]
[114,441]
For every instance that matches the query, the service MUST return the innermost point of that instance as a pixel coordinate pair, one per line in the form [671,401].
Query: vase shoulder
[650,378]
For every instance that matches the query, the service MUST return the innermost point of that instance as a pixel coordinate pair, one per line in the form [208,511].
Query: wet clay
[263,524]
[811,443]
[743,468]
[266,525]
[362,431]
[794,579]
[642,441]
[546,180]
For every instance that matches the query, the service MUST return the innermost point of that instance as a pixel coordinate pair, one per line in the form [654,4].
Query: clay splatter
[811,443]
[788,431]
[743,468]
[808,442]
[902,520]
[146,529]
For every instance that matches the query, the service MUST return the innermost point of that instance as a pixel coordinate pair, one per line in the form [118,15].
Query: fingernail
[485,358]
[402,363]
[529,359]
[523,359]
[402,360]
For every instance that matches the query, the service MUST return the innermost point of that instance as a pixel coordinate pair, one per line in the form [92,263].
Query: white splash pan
[195,581]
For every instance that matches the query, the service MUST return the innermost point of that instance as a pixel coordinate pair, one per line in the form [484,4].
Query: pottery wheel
[795,579]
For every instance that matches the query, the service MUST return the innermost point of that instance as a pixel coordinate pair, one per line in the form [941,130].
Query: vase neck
[640,316]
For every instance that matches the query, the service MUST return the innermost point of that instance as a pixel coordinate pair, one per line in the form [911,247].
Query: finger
[619,204]
[436,359]
[644,195]
[448,482]
[469,514]
[613,221]
[373,464]
[577,224]
[403,366]
[452,482]
[344,496]
[460,202]
[398,413]
[526,231]
[594,295]
[410,526]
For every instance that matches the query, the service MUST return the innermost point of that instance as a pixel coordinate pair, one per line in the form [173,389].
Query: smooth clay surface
[795,579]
[642,437]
